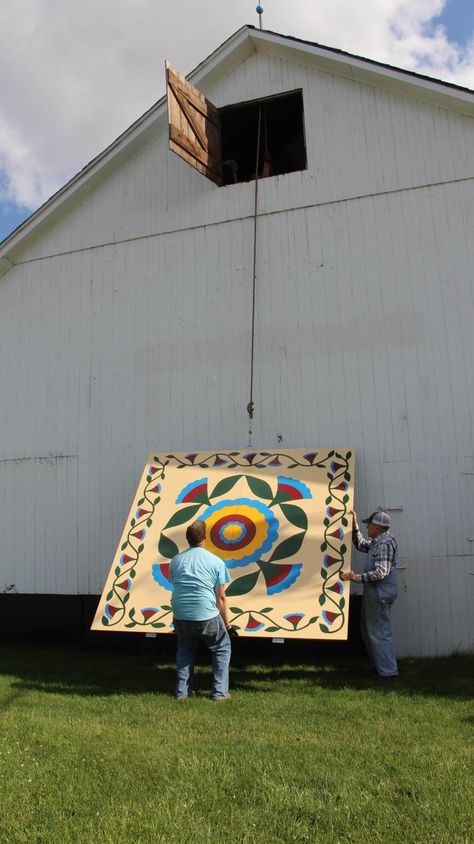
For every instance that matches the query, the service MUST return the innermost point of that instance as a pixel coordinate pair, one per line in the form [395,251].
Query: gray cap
[378,518]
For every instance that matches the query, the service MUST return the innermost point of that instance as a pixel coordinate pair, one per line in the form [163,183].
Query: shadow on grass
[98,673]
[448,677]
[75,672]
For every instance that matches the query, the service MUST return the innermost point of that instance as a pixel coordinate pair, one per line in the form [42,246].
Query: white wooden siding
[361,140]
[365,308]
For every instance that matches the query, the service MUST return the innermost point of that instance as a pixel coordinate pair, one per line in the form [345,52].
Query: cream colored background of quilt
[302,597]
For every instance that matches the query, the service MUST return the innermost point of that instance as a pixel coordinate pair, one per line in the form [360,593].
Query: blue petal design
[326,616]
[304,490]
[184,492]
[287,581]
[294,614]
[160,577]
[254,629]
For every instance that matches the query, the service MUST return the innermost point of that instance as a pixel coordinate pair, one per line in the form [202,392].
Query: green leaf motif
[288,547]
[271,570]
[109,595]
[157,624]
[280,496]
[323,628]
[295,515]
[224,486]
[117,571]
[166,547]
[182,516]
[243,584]
[313,619]
[165,607]
[124,546]
[322,600]
[267,609]
[342,603]
[272,629]
[202,497]
[105,621]
[235,610]
[259,488]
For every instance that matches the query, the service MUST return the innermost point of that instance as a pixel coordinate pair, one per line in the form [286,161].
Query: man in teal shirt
[200,613]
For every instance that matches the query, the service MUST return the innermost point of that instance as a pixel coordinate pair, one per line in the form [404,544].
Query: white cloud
[80,72]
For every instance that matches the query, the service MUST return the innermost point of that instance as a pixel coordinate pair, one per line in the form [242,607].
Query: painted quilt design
[278,520]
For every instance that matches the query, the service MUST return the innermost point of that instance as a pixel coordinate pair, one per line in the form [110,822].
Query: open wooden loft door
[194,126]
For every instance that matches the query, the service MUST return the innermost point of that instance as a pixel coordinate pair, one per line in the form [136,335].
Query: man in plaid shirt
[380,591]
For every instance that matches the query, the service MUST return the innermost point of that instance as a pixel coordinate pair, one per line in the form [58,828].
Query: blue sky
[458,19]
[11,215]
[109,58]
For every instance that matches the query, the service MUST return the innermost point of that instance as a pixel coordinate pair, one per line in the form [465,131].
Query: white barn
[126,321]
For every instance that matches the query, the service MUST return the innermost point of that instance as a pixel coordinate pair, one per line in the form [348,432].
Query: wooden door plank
[194,126]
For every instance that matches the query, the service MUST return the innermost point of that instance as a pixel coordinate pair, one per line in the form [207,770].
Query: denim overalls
[375,622]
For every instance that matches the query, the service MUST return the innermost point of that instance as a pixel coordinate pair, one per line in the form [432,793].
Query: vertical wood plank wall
[125,327]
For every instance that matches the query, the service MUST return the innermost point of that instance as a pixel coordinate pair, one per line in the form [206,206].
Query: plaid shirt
[384,555]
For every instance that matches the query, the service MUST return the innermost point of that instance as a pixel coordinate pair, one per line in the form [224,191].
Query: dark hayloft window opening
[282,140]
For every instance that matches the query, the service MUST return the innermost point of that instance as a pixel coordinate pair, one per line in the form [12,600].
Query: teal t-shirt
[194,575]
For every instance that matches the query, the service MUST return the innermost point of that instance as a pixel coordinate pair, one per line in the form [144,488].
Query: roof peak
[242,43]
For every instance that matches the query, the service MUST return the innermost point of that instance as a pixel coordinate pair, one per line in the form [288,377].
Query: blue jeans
[376,632]
[216,638]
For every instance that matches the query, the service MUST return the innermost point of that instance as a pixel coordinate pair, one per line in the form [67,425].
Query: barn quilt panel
[280,521]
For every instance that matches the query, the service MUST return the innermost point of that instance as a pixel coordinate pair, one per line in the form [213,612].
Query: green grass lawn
[94,748]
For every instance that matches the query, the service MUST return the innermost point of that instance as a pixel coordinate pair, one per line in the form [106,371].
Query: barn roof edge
[83,178]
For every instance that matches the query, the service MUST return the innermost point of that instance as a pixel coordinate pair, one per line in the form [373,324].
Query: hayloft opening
[282,147]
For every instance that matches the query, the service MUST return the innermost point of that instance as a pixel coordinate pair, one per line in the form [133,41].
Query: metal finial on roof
[259,11]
